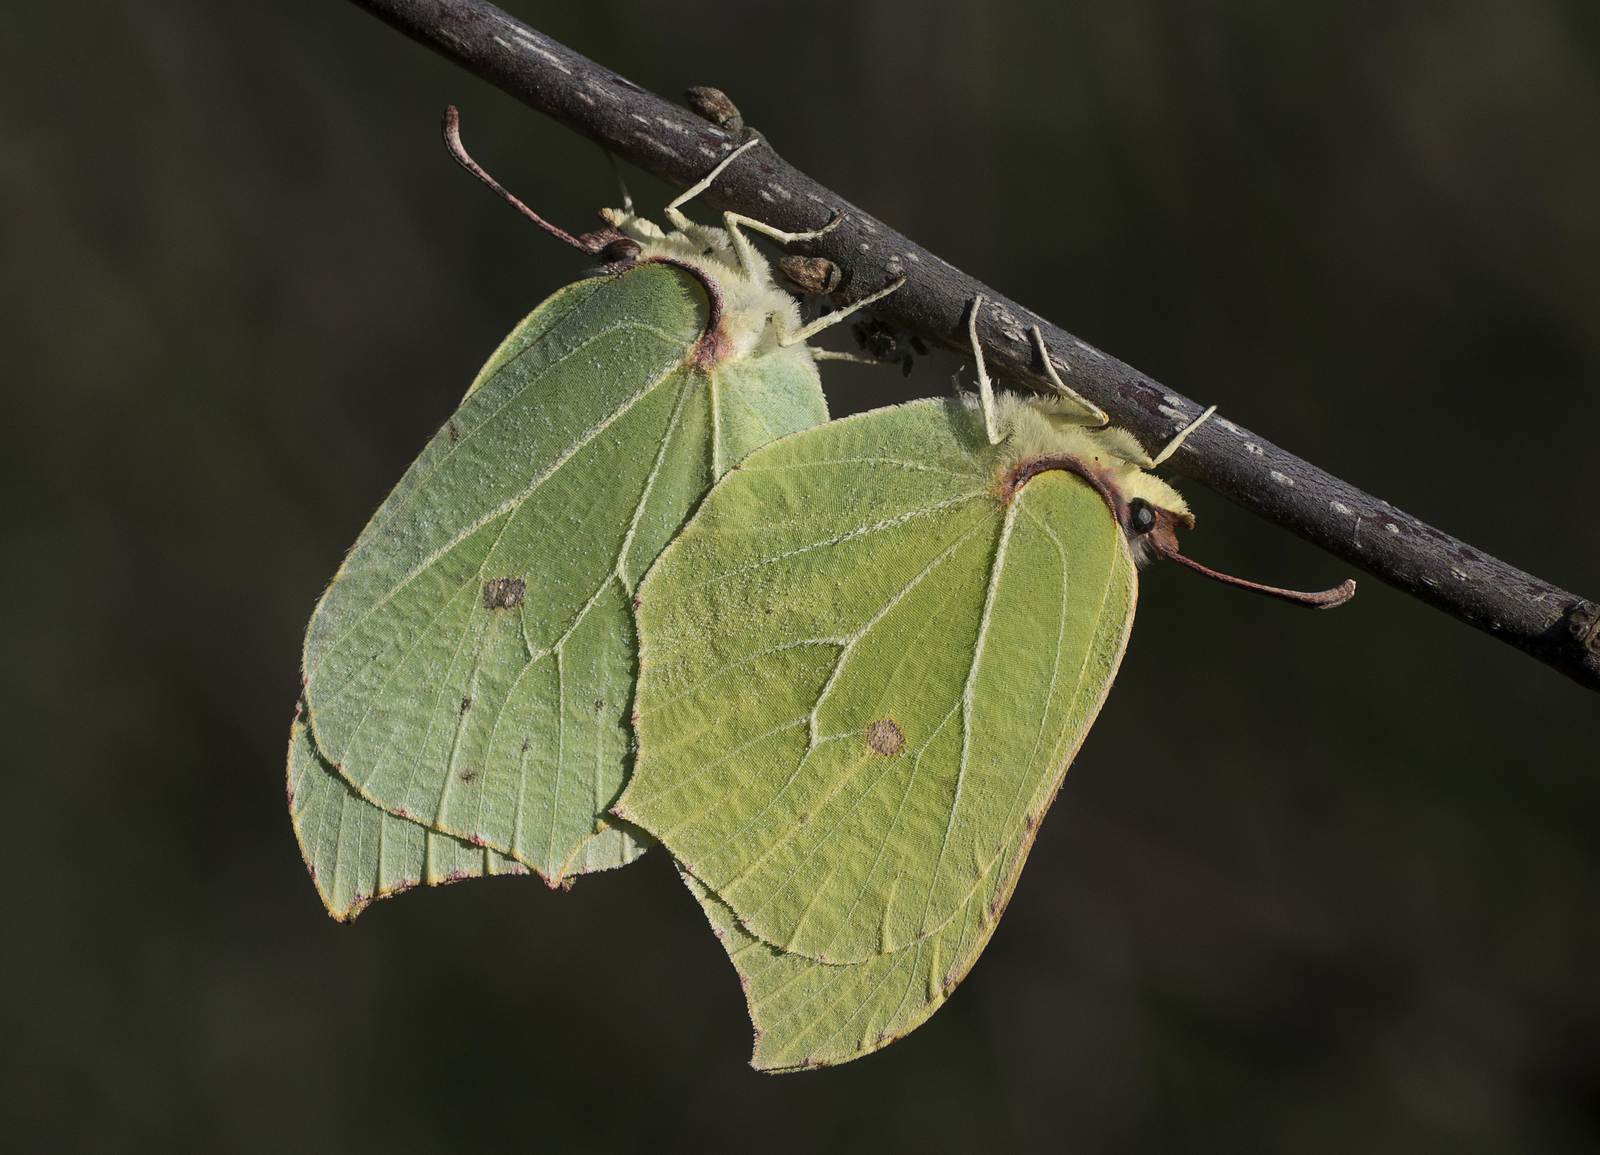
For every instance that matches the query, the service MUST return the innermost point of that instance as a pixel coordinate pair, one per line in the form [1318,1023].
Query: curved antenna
[1324,600]
[452,141]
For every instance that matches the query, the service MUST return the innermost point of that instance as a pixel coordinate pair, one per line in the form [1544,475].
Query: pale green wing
[811,1014]
[863,673]
[755,401]
[534,326]
[357,853]
[471,666]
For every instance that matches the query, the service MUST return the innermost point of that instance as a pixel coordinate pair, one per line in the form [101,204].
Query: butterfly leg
[985,389]
[672,212]
[1172,446]
[1096,414]
[827,319]
[856,358]
[751,261]
[622,185]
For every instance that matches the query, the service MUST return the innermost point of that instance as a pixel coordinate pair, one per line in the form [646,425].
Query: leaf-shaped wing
[863,672]
[471,666]
[811,1014]
[357,853]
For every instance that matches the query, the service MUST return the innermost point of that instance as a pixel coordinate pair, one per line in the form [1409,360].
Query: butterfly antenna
[452,141]
[1323,600]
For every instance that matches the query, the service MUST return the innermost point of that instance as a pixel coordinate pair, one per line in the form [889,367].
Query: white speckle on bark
[550,56]
[1339,507]
[646,138]
[863,246]
[1391,527]
[1253,448]
[1280,478]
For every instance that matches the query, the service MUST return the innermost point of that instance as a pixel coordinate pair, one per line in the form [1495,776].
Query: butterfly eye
[1141,516]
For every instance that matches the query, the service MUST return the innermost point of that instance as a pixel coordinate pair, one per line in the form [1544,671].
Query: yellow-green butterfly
[864,666]
[470,669]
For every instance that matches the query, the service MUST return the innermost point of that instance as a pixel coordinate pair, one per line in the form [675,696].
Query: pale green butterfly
[864,666]
[470,668]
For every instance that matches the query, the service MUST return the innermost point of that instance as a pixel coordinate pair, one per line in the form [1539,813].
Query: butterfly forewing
[357,853]
[843,729]
[471,666]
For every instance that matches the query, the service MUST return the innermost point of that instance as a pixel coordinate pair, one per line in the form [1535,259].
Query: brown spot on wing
[884,737]
[503,593]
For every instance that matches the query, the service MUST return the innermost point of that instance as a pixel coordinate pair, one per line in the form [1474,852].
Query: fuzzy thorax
[1036,429]
[1042,427]
[755,310]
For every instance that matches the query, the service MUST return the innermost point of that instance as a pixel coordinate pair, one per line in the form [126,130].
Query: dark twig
[1556,627]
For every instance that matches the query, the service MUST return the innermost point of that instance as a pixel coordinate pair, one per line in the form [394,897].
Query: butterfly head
[1042,434]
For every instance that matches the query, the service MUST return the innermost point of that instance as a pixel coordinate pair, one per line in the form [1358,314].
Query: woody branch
[1548,623]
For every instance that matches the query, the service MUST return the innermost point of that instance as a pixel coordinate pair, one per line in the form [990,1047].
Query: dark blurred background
[1317,883]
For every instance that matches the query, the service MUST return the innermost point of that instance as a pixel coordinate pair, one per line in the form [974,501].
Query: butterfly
[864,668]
